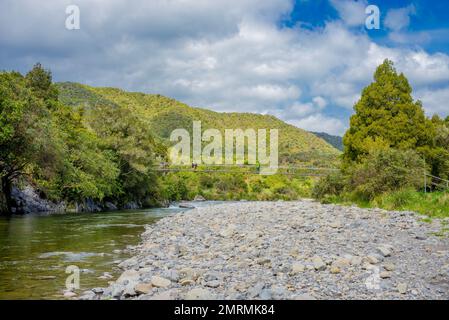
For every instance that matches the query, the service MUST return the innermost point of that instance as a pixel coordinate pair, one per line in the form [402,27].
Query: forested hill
[164,115]
[335,141]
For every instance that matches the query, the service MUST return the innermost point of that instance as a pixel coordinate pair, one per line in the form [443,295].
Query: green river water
[35,250]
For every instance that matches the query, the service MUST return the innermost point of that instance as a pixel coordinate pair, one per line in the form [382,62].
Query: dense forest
[95,148]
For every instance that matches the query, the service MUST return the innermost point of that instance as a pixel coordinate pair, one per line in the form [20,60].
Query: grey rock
[199,294]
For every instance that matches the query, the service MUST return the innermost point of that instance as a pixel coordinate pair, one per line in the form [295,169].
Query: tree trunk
[6,189]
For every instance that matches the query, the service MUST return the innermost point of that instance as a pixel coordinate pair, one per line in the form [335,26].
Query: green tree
[40,82]
[386,116]
[127,135]
[25,134]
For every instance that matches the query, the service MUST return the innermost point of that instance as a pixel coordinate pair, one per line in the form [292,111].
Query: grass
[432,205]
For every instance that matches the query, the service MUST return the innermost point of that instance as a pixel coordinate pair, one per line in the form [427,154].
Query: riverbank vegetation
[64,155]
[240,186]
[388,149]
[97,148]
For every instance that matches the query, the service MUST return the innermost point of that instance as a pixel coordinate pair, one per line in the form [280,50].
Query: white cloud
[398,19]
[351,12]
[238,61]
[321,123]
[436,101]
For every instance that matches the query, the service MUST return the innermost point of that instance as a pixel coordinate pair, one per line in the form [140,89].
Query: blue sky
[304,61]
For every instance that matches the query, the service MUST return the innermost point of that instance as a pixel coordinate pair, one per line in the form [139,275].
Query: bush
[385,171]
[331,185]
[396,200]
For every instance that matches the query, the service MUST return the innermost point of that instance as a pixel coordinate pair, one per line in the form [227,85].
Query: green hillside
[164,115]
[80,148]
[335,141]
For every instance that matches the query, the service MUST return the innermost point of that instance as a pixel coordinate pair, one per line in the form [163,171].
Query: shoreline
[285,250]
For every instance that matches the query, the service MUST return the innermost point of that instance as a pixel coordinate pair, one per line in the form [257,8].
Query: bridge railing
[431,180]
[246,169]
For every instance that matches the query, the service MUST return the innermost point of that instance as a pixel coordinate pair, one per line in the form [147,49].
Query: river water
[35,250]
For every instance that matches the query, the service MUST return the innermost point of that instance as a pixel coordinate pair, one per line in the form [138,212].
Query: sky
[303,61]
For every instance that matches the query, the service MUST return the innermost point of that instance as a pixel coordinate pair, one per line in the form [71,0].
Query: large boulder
[27,200]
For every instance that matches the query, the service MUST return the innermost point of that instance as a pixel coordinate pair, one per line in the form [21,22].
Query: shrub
[396,200]
[386,170]
[331,185]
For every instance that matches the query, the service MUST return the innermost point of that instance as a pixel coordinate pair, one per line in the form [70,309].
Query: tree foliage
[65,156]
[386,116]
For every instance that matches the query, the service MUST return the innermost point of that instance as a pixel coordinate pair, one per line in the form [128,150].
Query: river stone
[389,267]
[117,290]
[165,295]
[297,268]
[129,289]
[341,263]
[356,261]
[318,263]
[402,288]
[266,294]
[335,269]
[213,284]
[265,232]
[69,294]
[255,290]
[98,290]
[189,273]
[186,282]
[143,288]
[305,296]
[128,276]
[228,232]
[127,264]
[160,282]
[198,294]
[372,259]
[384,250]
[335,224]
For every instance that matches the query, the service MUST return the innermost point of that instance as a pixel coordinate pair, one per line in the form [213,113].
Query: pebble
[318,263]
[297,268]
[198,294]
[285,250]
[69,294]
[143,288]
[402,288]
[160,282]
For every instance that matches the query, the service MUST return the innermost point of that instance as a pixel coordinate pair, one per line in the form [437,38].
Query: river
[35,250]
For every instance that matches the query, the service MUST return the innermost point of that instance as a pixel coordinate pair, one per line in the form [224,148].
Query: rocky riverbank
[28,200]
[286,250]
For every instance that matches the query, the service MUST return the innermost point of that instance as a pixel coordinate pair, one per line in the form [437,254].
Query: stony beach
[286,250]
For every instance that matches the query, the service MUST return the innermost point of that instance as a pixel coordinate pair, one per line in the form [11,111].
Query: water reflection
[36,249]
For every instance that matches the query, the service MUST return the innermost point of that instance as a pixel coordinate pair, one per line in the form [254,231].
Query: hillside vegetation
[165,115]
[335,141]
[92,148]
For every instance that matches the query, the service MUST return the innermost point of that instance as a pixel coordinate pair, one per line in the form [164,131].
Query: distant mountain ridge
[335,141]
[164,114]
